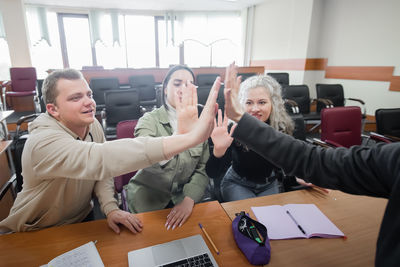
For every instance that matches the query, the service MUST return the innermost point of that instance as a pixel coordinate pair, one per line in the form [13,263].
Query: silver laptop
[187,251]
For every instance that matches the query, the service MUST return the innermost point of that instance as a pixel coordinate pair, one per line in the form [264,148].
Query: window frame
[63,40]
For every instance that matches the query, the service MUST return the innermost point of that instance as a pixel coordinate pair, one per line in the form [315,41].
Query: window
[45,56]
[109,54]
[140,41]
[199,40]
[75,41]
[168,53]
[5,62]
[211,39]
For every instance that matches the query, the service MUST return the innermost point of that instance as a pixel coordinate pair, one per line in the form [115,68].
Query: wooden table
[39,247]
[358,217]
[3,116]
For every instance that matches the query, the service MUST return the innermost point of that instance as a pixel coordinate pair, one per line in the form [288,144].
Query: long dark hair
[168,77]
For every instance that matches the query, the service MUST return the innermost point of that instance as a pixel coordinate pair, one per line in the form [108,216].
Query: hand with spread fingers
[220,136]
[206,121]
[186,108]
[183,132]
[180,213]
[127,219]
[232,84]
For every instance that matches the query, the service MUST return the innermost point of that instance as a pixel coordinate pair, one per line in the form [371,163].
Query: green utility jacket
[154,187]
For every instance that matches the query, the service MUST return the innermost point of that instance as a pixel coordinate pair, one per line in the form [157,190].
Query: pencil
[209,238]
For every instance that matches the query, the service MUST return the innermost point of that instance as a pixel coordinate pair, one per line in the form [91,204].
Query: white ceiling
[176,5]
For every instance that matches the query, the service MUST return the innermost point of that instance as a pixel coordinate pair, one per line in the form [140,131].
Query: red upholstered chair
[341,126]
[22,84]
[125,129]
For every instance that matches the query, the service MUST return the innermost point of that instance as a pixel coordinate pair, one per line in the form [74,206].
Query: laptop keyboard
[201,261]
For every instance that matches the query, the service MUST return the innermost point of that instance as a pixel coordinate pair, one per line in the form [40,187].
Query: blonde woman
[249,175]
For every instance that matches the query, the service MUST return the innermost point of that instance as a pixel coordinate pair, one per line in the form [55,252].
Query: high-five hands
[205,124]
[180,213]
[199,128]
[186,108]
[232,84]
[220,136]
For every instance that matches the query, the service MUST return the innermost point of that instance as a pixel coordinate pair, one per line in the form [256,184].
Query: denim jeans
[235,187]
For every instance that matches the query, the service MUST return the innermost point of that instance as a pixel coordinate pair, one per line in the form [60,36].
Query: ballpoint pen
[298,225]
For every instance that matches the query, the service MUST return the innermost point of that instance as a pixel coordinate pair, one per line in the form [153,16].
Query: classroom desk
[358,217]
[3,116]
[39,247]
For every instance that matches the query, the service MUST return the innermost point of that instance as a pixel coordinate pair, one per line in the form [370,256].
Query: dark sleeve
[358,170]
[215,167]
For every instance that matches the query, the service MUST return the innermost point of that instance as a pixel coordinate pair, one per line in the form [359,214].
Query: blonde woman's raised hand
[233,108]
[186,108]
[220,136]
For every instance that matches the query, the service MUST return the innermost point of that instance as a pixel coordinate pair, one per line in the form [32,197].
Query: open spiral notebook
[85,255]
[296,221]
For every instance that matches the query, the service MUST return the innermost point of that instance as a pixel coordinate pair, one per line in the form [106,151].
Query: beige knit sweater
[62,172]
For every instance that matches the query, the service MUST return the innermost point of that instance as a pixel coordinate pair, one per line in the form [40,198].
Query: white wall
[13,12]
[281,30]
[362,33]
[346,32]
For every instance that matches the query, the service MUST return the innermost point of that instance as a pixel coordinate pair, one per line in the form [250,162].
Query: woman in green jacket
[180,181]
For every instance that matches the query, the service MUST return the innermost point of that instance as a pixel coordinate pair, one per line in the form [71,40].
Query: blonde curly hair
[279,119]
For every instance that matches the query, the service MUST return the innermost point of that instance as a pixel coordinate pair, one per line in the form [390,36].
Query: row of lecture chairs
[345,132]
[341,125]
[328,96]
[335,132]
[206,81]
[23,83]
[117,102]
[144,84]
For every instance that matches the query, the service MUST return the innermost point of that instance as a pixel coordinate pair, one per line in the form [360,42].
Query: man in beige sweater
[66,159]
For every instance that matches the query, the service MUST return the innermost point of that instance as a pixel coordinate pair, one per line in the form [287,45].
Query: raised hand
[233,109]
[205,123]
[186,108]
[175,144]
[220,136]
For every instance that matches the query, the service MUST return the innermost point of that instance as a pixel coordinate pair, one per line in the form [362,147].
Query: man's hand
[232,84]
[220,136]
[130,221]
[304,183]
[180,213]
[186,108]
